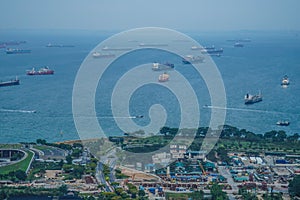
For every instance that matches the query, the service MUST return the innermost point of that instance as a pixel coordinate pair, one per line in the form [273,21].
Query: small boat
[17,51]
[238,44]
[250,99]
[283,123]
[41,71]
[16,81]
[139,116]
[165,66]
[285,81]
[189,59]
[163,77]
[100,55]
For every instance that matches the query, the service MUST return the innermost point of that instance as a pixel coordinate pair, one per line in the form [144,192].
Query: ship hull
[252,101]
[10,83]
[18,51]
[40,73]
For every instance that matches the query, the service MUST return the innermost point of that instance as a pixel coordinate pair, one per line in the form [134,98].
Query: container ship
[189,59]
[165,66]
[17,51]
[101,55]
[203,48]
[212,51]
[250,99]
[59,45]
[41,71]
[10,83]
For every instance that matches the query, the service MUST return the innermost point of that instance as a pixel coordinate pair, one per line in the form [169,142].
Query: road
[100,176]
[110,159]
[225,172]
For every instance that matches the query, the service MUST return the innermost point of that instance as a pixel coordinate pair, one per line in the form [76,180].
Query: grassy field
[42,147]
[10,146]
[233,145]
[17,166]
[183,196]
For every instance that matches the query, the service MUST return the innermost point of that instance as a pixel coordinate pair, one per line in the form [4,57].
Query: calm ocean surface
[259,65]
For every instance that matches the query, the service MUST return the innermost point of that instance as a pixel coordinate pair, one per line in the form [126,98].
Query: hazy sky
[176,14]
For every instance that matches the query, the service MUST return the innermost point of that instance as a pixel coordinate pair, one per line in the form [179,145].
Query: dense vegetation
[294,186]
[231,138]
[8,191]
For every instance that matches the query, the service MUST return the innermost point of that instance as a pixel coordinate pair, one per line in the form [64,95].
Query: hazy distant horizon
[120,30]
[214,15]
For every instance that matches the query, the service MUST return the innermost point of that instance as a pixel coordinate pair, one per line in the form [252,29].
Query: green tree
[217,193]
[270,135]
[69,159]
[20,175]
[280,136]
[76,153]
[61,163]
[67,168]
[247,195]
[77,145]
[93,165]
[294,186]
[164,130]
[3,194]
[78,171]
[141,193]
[197,195]
[293,138]
[118,191]
[41,141]
[63,189]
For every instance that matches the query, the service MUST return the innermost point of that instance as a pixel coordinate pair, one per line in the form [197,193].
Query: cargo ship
[100,55]
[163,77]
[212,51]
[17,51]
[203,48]
[10,83]
[41,71]
[250,99]
[165,66]
[208,50]
[283,123]
[58,45]
[189,59]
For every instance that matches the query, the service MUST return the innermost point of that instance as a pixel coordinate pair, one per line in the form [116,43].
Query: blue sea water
[259,65]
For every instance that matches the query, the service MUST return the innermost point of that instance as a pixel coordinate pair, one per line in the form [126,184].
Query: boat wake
[130,117]
[17,111]
[242,109]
